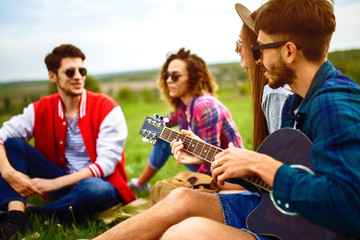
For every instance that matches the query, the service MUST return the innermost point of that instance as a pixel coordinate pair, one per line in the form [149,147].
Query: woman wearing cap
[267,102]
[188,87]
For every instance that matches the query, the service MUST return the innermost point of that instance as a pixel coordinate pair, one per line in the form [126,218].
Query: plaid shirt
[331,198]
[209,119]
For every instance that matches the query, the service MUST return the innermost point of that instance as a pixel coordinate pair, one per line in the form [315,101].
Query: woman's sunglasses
[174,76]
[256,49]
[70,72]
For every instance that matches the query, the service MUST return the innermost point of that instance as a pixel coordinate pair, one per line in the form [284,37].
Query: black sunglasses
[174,75]
[256,48]
[70,72]
[238,46]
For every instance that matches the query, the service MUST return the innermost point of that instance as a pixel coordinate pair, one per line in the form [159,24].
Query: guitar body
[291,147]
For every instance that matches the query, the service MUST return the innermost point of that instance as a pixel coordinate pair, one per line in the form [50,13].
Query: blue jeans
[88,196]
[236,207]
[160,153]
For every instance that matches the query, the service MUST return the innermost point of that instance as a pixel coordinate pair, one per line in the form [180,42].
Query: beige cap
[245,16]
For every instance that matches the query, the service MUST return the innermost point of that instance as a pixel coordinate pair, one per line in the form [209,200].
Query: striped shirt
[209,119]
[75,151]
[331,113]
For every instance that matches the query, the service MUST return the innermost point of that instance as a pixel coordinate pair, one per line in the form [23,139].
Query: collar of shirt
[295,100]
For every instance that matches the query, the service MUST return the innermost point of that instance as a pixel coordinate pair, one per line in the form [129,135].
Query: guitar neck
[204,151]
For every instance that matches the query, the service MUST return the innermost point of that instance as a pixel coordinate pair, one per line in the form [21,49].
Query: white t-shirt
[272,104]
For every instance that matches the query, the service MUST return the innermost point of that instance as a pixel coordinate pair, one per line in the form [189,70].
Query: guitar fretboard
[204,151]
[193,146]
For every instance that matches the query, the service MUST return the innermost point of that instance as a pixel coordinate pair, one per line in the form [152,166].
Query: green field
[136,157]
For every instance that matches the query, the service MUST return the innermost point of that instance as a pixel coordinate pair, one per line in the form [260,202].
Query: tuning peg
[146,139]
[165,120]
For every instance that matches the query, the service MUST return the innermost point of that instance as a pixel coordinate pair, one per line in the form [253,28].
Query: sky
[122,35]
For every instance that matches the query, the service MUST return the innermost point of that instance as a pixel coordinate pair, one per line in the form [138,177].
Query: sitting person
[189,88]
[78,158]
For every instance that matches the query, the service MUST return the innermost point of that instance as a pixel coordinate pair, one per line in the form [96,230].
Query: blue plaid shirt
[331,114]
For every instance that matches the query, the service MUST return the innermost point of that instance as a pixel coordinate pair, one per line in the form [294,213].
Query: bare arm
[50,185]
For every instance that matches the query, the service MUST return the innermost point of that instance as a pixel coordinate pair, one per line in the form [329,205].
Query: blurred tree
[111,93]
[149,95]
[7,103]
[347,62]
[126,94]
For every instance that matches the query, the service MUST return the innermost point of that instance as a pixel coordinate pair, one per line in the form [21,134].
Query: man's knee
[14,143]
[182,200]
[181,194]
[15,150]
[93,187]
[182,229]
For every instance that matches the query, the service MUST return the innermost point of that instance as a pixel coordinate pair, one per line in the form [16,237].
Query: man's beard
[68,91]
[281,74]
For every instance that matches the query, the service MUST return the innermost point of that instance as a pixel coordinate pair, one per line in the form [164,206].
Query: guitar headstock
[152,128]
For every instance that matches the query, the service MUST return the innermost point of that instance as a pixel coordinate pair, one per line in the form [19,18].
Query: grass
[136,158]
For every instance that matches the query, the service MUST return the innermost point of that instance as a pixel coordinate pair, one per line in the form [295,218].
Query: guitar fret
[207,150]
[257,181]
[198,148]
[194,149]
[201,151]
[192,145]
[214,151]
[165,134]
[172,138]
[181,137]
[204,151]
[186,143]
[263,185]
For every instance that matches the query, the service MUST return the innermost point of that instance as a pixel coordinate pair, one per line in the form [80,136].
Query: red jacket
[50,134]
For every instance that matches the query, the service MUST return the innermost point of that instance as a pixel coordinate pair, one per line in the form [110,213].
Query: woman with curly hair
[189,88]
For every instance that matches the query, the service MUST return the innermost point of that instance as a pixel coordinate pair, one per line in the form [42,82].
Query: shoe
[32,210]
[3,212]
[8,229]
[2,215]
[133,184]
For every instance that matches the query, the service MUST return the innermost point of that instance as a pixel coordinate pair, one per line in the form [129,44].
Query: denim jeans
[159,155]
[236,207]
[88,196]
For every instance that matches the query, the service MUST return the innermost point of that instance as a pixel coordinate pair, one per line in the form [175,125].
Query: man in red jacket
[78,158]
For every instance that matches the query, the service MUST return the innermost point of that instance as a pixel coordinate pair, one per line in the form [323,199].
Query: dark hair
[200,80]
[53,59]
[309,23]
